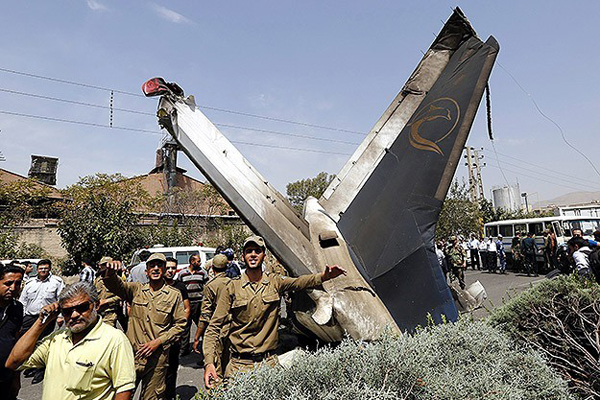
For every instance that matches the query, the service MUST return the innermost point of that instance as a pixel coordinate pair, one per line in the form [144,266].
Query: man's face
[28,268]
[577,232]
[253,255]
[10,286]
[195,262]
[79,313]
[171,270]
[156,270]
[43,271]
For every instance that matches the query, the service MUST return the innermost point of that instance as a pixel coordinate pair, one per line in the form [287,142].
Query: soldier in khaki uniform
[457,258]
[212,290]
[109,302]
[156,319]
[250,305]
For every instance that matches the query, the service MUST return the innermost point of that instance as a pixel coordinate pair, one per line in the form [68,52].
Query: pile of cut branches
[560,319]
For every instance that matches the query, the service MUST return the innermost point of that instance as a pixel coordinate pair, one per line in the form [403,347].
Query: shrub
[561,319]
[466,360]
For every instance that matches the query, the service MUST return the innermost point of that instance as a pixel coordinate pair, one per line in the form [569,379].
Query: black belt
[255,357]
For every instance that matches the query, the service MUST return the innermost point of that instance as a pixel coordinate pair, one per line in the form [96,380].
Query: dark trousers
[459,273]
[195,307]
[492,262]
[171,378]
[475,259]
[531,264]
[484,259]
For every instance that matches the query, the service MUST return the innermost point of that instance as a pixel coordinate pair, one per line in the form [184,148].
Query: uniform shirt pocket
[138,308]
[271,297]
[162,314]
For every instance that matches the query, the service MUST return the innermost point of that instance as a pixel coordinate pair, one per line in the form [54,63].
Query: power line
[290,148]
[287,134]
[245,114]
[70,121]
[537,178]
[86,104]
[562,133]
[546,168]
[597,188]
[79,103]
[86,85]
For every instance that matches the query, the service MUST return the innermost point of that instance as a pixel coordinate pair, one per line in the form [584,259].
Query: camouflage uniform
[456,255]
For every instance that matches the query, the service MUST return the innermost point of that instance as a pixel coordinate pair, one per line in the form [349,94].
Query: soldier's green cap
[220,261]
[157,257]
[105,260]
[256,240]
[452,238]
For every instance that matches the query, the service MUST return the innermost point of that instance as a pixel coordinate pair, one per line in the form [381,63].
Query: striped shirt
[194,283]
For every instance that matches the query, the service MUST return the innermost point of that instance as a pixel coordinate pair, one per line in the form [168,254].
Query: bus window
[491,231]
[521,228]
[537,228]
[506,230]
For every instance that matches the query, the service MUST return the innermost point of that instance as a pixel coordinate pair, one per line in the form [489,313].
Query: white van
[181,254]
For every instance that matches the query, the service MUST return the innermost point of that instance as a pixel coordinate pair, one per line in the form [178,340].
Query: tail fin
[388,201]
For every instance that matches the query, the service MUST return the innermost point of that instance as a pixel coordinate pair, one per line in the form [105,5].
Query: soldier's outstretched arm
[125,290]
[310,281]
[212,336]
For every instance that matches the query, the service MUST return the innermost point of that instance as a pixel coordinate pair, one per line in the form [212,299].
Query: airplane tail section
[389,223]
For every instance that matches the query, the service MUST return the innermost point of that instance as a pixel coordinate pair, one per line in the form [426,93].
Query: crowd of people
[118,330]
[489,254]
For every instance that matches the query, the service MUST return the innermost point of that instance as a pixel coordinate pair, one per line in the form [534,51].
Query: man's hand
[196,345]
[112,267]
[49,313]
[146,350]
[210,376]
[332,272]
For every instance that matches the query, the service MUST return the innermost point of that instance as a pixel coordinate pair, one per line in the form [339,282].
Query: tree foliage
[299,191]
[459,215]
[101,218]
[561,319]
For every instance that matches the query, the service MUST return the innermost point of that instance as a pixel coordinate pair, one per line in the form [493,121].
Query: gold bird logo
[442,108]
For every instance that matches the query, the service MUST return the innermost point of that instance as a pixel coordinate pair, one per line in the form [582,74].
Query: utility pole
[477,157]
[472,184]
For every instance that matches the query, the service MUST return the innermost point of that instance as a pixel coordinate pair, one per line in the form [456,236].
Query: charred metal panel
[390,224]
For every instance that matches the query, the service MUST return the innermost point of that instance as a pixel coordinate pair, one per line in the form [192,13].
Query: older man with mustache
[87,359]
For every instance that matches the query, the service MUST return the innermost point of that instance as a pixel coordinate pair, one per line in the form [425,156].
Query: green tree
[101,219]
[299,191]
[459,215]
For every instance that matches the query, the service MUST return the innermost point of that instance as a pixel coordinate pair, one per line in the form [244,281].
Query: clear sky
[334,63]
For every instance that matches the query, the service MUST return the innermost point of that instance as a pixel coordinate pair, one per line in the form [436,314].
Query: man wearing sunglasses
[87,359]
[156,320]
[250,304]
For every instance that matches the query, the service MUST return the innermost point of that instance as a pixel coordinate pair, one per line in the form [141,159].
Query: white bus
[562,226]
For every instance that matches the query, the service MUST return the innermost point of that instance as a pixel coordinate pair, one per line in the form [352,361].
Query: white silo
[507,197]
